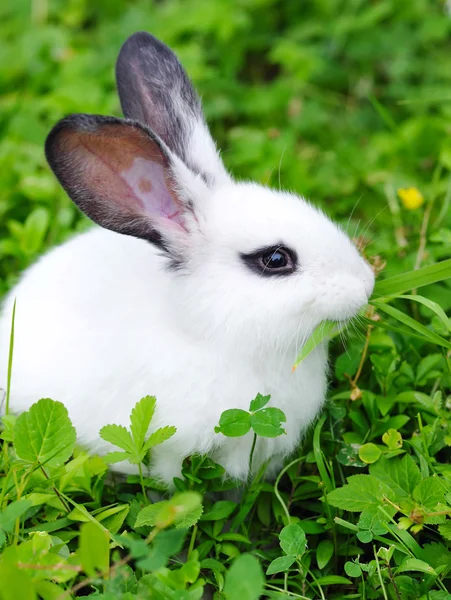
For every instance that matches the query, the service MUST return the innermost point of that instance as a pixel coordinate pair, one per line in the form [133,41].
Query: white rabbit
[203,301]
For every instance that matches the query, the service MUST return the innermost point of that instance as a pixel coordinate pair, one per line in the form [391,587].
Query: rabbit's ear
[155,90]
[125,179]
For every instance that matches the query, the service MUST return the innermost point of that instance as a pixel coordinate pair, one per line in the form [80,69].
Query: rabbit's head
[249,266]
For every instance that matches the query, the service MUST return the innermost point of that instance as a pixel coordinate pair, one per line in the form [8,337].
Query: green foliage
[94,549]
[264,421]
[44,434]
[134,443]
[245,579]
[345,103]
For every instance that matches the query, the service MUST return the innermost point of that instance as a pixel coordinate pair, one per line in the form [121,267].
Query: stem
[10,360]
[422,247]
[379,573]
[276,487]
[293,487]
[438,513]
[292,594]
[423,234]
[392,579]
[61,499]
[251,456]
[393,205]
[445,208]
[323,597]
[192,541]
[365,349]
[142,482]
[8,383]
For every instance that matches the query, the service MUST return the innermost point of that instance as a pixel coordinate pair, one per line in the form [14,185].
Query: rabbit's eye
[274,260]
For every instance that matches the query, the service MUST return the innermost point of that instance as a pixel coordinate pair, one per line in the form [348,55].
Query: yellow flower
[411,197]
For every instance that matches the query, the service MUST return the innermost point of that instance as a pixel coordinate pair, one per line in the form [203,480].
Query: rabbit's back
[85,312]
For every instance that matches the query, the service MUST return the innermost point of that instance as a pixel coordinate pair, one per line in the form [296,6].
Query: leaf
[15,583]
[280,565]
[430,336]
[259,402]
[331,580]
[393,439]
[324,553]
[352,569]
[147,516]
[374,520]
[140,419]
[94,549]
[319,456]
[220,510]
[245,579]
[414,564]
[45,434]
[399,284]
[234,422]
[190,519]
[361,492]
[324,331]
[165,545]
[369,453]
[234,537]
[115,457]
[150,515]
[429,492]
[159,436]
[180,507]
[185,507]
[12,512]
[426,365]
[35,228]
[267,422]
[401,474]
[49,591]
[445,530]
[292,540]
[112,518]
[434,306]
[436,554]
[118,436]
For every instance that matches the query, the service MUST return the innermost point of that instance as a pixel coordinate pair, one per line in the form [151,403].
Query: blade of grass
[10,360]
[382,112]
[323,331]
[319,455]
[434,306]
[390,327]
[445,207]
[418,327]
[405,282]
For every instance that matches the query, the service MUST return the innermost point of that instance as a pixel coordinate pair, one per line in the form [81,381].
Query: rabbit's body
[116,351]
[203,303]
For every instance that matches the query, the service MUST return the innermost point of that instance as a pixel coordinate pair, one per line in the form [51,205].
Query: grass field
[349,104]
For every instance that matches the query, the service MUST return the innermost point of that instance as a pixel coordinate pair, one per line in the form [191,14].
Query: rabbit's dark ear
[123,178]
[155,90]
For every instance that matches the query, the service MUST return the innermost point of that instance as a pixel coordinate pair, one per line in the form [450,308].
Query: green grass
[344,102]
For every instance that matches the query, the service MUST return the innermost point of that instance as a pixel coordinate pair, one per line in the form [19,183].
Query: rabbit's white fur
[102,321]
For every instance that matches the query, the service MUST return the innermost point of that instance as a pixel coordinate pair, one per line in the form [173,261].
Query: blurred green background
[343,101]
